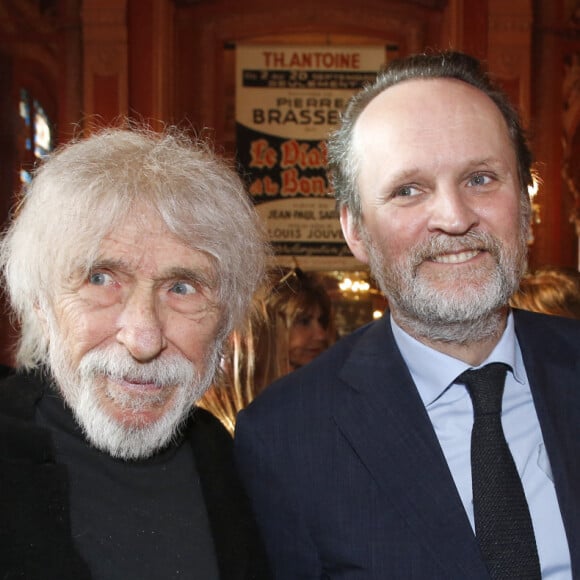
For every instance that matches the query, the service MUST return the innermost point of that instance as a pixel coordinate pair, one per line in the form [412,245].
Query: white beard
[179,384]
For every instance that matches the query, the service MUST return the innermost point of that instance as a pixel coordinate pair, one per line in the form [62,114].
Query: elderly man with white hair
[132,257]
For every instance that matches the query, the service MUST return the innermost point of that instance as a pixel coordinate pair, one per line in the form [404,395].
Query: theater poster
[288,98]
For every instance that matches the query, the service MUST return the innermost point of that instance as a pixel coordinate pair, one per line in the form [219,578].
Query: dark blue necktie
[503,525]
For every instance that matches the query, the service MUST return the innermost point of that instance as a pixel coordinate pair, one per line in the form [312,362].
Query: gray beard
[466,314]
[81,389]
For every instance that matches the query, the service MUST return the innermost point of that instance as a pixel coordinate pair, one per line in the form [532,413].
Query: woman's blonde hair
[550,291]
[257,354]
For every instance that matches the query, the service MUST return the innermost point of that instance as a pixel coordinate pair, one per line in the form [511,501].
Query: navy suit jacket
[348,479]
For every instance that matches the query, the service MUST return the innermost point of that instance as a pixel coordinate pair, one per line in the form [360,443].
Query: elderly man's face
[442,220]
[133,344]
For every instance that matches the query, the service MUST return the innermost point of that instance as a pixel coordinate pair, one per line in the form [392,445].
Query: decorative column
[571,136]
[509,50]
[105,61]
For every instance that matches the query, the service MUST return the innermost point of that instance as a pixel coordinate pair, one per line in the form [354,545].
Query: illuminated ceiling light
[345,285]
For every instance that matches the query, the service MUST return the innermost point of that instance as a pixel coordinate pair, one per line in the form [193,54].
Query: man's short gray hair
[343,160]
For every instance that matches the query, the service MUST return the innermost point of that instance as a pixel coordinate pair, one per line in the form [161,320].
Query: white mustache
[120,366]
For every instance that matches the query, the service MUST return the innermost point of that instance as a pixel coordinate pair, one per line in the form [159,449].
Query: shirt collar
[433,371]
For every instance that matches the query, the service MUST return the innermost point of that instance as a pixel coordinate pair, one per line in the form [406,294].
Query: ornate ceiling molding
[433,4]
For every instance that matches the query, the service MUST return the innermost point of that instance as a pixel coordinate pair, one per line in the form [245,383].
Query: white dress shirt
[449,407]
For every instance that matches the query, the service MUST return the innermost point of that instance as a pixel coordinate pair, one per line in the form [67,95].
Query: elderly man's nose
[140,327]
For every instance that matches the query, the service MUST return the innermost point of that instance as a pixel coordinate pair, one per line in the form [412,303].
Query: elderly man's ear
[352,235]
[40,311]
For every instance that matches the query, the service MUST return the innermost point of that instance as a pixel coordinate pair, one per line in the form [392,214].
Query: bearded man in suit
[358,465]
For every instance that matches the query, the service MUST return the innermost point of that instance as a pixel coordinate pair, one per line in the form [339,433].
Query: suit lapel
[381,414]
[552,364]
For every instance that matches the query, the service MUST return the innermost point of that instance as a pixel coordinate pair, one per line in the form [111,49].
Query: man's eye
[480,179]
[100,279]
[405,191]
[183,288]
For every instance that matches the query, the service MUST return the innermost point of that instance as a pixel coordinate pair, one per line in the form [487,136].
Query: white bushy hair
[85,188]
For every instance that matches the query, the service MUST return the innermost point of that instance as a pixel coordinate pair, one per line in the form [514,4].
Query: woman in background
[292,323]
[299,310]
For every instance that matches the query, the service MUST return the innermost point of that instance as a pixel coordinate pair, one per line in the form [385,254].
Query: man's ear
[352,235]
[40,312]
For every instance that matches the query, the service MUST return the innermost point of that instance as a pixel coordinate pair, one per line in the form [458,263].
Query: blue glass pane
[25,176]
[42,132]
[24,106]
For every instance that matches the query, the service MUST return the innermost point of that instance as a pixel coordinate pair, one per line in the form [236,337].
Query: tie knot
[485,386]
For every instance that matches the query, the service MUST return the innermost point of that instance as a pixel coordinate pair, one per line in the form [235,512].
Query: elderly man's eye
[183,288]
[100,279]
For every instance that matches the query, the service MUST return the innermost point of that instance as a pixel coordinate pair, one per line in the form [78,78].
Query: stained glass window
[36,132]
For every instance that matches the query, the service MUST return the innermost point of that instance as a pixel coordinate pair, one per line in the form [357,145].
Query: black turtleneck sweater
[132,519]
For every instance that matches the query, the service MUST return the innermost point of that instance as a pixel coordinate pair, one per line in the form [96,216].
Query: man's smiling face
[441,201]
